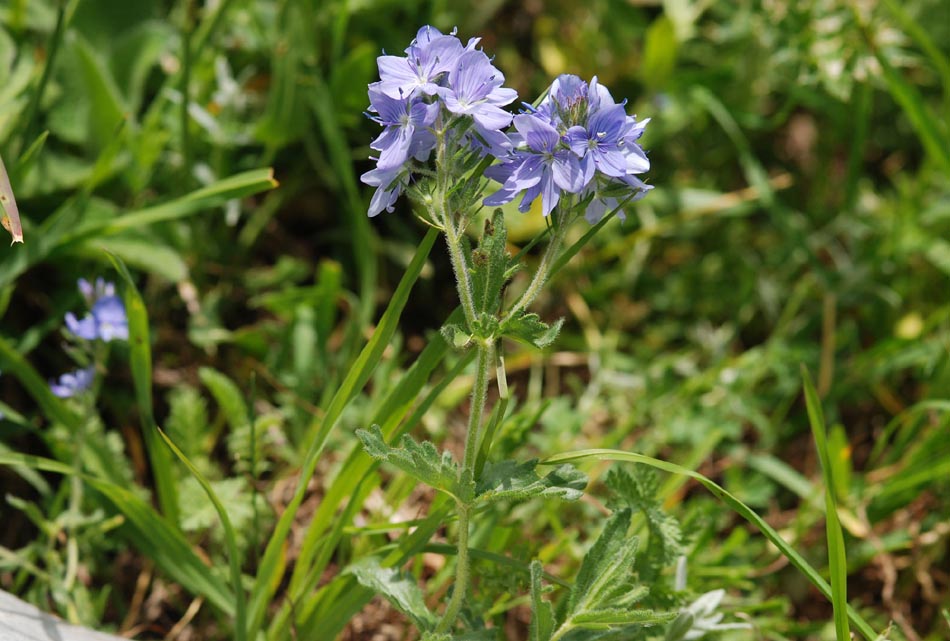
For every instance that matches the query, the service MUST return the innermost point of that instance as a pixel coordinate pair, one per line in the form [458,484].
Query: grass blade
[926,125]
[141,357]
[837,559]
[272,565]
[149,532]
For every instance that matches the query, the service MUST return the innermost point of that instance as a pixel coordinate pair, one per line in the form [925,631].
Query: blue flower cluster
[106,321]
[437,82]
[578,140]
[72,383]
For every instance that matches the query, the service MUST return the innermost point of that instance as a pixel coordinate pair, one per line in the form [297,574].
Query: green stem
[75,510]
[462,279]
[453,231]
[561,631]
[543,271]
[486,356]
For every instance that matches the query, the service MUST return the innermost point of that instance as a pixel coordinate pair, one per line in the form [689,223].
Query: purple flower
[475,89]
[389,184]
[430,56]
[578,140]
[407,128]
[72,383]
[92,293]
[598,144]
[106,321]
[85,328]
[544,169]
[441,90]
[566,102]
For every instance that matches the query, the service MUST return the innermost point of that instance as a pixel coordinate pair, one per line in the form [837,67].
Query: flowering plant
[445,139]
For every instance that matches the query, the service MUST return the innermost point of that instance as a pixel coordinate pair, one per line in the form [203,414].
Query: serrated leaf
[638,490]
[187,421]
[529,328]
[513,481]
[228,395]
[605,582]
[399,589]
[420,460]
[489,263]
[542,614]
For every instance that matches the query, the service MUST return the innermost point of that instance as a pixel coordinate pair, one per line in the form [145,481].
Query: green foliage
[639,490]
[514,481]
[422,461]
[399,589]
[542,614]
[604,594]
[529,328]
[837,558]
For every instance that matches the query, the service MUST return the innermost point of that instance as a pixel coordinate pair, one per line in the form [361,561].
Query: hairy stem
[453,230]
[486,356]
[543,271]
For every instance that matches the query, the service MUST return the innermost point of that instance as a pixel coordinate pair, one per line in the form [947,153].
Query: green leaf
[542,614]
[616,617]
[105,108]
[513,481]
[604,578]
[743,510]
[145,254]
[837,558]
[456,336]
[187,421]
[421,461]
[141,363]
[399,589]
[659,53]
[140,360]
[65,227]
[529,328]
[228,395]
[639,491]
[605,590]
[489,264]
